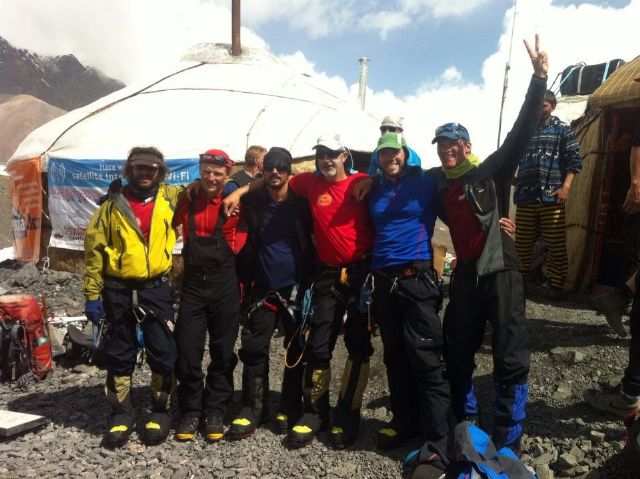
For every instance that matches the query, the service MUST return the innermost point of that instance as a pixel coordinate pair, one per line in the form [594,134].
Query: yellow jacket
[114,245]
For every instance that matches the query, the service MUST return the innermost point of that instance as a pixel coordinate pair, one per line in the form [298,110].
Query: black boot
[290,408]
[347,413]
[121,421]
[158,424]
[255,409]
[315,416]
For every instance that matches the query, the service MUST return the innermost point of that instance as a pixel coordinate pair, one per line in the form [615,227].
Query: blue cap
[452,131]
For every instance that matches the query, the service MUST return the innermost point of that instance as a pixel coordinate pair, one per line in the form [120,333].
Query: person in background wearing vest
[487,284]
[128,254]
[344,235]
[252,169]
[545,174]
[276,265]
[209,301]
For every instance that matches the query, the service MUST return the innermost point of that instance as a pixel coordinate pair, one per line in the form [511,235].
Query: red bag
[26,309]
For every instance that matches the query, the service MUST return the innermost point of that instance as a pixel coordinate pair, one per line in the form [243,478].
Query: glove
[94,311]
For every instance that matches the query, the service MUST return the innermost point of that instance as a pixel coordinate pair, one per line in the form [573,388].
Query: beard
[275,187]
[329,170]
[141,192]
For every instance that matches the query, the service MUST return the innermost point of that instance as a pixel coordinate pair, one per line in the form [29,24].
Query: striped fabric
[533,221]
[552,151]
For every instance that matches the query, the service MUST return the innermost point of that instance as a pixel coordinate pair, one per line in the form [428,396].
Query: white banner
[75,186]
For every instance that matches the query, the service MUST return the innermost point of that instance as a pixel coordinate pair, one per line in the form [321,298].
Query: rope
[300,332]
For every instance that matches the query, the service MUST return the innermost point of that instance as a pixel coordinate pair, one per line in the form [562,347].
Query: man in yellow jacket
[128,254]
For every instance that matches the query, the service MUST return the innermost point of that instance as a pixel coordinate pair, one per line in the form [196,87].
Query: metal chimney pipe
[362,88]
[236,49]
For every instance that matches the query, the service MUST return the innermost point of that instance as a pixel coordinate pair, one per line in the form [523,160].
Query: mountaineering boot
[290,408]
[393,435]
[347,414]
[254,411]
[213,427]
[156,429]
[316,406]
[281,423]
[121,423]
[187,427]
[612,305]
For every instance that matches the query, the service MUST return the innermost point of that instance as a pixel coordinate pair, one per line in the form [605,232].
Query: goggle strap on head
[217,159]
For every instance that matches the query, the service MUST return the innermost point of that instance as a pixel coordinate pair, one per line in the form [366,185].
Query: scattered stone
[87,369]
[566,461]
[559,424]
[563,391]
[546,458]
[577,453]
[25,276]
[543,471]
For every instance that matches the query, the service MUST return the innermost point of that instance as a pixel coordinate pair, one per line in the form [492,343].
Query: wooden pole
[236,49]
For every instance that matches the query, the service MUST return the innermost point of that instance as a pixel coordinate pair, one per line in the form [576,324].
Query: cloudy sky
[432,61]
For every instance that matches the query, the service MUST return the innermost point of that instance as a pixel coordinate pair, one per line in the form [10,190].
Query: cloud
[317,18]
[321,18]
[570,34]
[384,22]
[132,39]
[442,8]
[127,40]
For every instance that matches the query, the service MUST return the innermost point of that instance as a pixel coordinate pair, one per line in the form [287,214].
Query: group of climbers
[314,258]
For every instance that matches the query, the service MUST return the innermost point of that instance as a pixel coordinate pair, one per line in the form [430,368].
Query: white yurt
[211,99]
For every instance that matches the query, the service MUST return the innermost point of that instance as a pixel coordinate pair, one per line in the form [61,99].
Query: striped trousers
[547,220]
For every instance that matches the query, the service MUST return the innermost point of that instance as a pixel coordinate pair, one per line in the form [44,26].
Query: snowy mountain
[61,81]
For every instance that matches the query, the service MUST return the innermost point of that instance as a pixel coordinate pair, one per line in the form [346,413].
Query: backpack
[15,359]
[475,456]
[26,310]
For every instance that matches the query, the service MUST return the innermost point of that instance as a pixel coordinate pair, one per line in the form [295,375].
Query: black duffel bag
[583,79]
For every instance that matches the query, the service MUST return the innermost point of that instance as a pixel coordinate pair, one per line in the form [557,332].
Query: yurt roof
[620,89]
[211,100]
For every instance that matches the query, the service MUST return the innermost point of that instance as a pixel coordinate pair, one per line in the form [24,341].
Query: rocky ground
[572,349]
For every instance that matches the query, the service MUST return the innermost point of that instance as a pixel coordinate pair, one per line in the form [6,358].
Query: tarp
[210,100]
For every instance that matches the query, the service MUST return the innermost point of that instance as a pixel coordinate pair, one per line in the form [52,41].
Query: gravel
[572,349]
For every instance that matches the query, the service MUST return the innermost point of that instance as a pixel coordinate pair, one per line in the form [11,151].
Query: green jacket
[114,245]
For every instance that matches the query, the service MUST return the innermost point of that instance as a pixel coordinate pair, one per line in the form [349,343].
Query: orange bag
[25,308]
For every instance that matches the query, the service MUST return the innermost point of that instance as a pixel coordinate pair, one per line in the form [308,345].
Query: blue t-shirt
[279,259]
[404,215]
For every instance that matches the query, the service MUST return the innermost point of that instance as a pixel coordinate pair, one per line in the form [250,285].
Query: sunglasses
[279,166]
[326,153]
[215,159]
[389,129]
[145,168]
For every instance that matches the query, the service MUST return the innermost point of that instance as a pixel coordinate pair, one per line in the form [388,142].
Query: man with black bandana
[128,246]
[344,235]
[275,265]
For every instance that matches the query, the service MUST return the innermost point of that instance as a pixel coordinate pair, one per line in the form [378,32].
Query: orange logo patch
[325,199]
